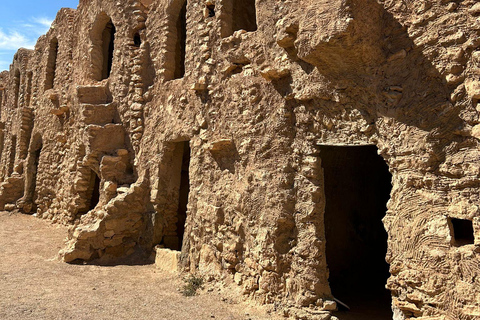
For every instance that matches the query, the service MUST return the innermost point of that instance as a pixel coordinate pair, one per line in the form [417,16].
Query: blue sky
[23,21]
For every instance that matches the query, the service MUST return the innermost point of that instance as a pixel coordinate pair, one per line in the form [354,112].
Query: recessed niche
[211,10]
[137,40]
[461,231]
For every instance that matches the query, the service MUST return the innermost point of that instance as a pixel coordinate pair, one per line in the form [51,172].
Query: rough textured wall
[104,150]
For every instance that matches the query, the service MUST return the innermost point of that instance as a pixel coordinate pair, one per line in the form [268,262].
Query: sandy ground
[35,285]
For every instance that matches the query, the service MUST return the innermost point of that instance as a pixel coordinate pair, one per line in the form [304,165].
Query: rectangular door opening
[357,188]
[180,181]
[36,162]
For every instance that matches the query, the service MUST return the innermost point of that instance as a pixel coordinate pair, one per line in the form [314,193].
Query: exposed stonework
[201,126]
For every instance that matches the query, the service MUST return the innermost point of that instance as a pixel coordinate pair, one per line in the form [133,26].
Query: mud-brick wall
[241,220]
[17,121]
[253,106]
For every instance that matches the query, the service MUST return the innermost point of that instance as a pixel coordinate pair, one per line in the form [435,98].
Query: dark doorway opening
[180,181]
[244,15]
[183,193]
[108,40]
[357,188]
[181,44]
[36,162]
[94,190]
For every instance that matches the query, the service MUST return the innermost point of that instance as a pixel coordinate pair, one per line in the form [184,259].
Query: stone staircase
[104,142]
[97,114]
[119,215]
[116,234]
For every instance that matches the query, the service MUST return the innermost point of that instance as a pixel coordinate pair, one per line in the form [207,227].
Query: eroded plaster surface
[124,113]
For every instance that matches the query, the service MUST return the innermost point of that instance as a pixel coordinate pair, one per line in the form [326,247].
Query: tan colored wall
[255,106]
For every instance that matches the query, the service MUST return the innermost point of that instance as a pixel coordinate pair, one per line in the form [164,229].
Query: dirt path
[34,285]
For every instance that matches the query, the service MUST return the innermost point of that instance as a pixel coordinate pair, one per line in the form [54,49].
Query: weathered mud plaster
[129,118]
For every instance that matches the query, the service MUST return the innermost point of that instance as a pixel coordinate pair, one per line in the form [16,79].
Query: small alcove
[461,231]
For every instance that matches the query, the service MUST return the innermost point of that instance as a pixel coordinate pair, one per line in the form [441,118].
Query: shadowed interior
[36,162]
[357,188]
[175,207]
[461,231]
[180,48]
[94,190]
[108,38]
[244,15]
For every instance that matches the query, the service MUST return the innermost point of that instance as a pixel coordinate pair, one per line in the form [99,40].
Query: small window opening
[211,10]
[357,186]
[173,238]
[137,40]
[462,231]
[108,40]
[180,48]
[51,64]
[244,15]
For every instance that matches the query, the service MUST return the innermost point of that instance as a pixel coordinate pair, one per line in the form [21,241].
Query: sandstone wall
[253,106]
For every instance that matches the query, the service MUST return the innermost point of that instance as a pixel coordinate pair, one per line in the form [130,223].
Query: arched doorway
[102,36]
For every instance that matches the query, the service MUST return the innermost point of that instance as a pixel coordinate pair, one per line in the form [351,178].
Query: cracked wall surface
[254,106]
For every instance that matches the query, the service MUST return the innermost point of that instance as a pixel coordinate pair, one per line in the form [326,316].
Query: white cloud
[24,36]
[43,22]
[13,40]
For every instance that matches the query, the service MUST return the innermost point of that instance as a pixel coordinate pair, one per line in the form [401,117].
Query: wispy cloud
[44,22]
[12,40]
[25,35]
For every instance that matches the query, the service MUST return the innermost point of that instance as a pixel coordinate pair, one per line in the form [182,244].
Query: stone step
[100,114]
[92,94]
[107,138]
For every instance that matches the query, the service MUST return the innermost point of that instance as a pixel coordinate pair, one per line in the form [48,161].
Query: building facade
[271,142]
